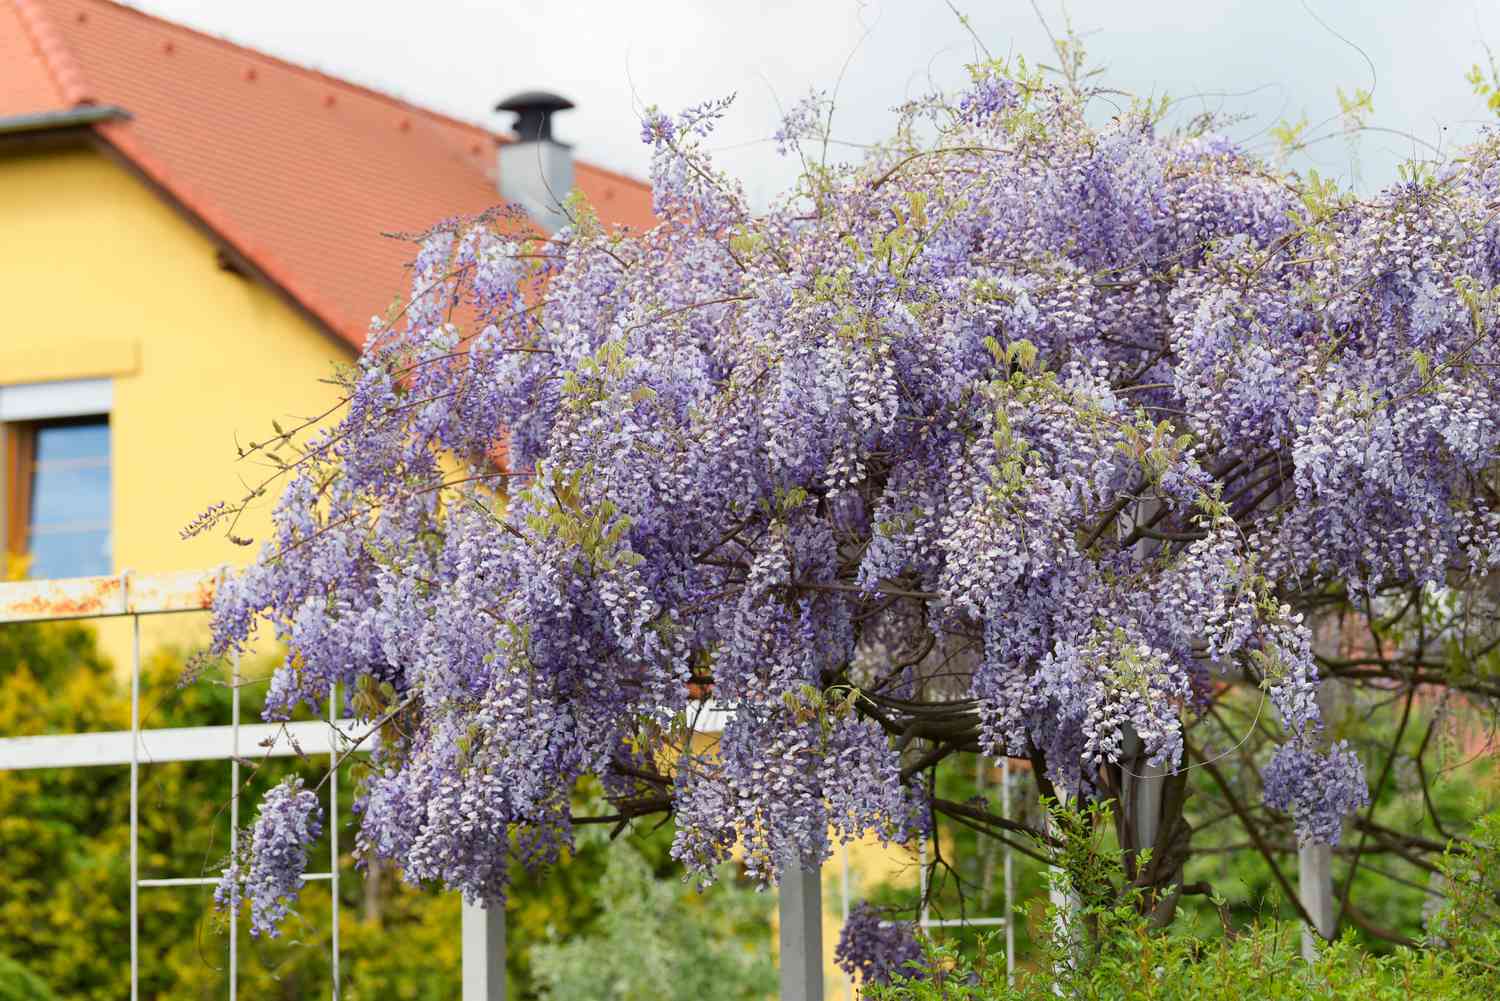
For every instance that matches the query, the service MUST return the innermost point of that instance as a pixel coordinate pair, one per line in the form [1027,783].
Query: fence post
[1315,862]
[1010,884]
[135,788]
[234,811]
[483,943]
[800,901]
[1315,890]
[844,911]
[335,749]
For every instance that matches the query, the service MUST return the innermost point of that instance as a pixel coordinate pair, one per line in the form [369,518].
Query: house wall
[103,278]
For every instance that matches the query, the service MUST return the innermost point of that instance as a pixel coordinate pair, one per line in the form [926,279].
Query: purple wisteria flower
[1318,789]
[802,121]
[874,948]
[289,821]
[656,128]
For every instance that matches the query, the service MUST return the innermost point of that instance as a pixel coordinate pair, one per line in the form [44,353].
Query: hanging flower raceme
[290,820]
[1319,790]
[874,948]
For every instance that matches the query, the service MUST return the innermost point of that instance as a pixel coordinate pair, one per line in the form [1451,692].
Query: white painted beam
[105,597]
[185,743]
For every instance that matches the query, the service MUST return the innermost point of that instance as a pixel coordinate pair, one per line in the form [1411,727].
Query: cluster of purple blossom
[802,122]
[1318,789]
[1023,439]
[874,948]
[289,821]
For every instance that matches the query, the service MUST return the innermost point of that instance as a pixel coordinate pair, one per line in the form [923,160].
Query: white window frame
[45,401]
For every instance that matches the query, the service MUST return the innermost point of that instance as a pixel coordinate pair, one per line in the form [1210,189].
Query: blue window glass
[68,533]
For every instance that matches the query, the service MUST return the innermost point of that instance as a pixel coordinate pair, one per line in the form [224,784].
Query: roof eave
[82,116]
[243,260]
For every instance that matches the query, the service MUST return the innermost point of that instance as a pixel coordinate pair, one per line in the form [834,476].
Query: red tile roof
[297,172]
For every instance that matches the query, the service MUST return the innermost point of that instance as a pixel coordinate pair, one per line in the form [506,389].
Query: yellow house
[190,238]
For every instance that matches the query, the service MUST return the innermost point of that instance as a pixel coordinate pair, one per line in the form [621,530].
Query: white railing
[137,595]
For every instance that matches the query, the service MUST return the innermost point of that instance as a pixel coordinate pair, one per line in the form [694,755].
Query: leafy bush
[661,938]
[1112,954]
[19,984]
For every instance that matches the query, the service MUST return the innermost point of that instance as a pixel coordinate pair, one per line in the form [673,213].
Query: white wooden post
[801,912]
[1315,890]
[135,791]
[1315,862]
[483,941]
[334,752]
[1065,903]
[1010,886]
[234,809]
[844,912]
[1142,784]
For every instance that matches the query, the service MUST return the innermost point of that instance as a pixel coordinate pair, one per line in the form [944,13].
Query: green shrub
[19,984]
[1111,954]
[662,938]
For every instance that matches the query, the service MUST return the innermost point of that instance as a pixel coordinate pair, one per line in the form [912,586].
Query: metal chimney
[536,171]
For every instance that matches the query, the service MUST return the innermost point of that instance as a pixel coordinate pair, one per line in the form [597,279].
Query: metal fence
[134,596]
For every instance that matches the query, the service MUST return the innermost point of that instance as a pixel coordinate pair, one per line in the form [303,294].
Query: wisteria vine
[1019,436]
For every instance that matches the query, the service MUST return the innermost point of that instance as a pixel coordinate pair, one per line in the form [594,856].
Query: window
[57,477]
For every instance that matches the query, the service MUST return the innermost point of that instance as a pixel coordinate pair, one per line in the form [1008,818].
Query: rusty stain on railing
[96,597]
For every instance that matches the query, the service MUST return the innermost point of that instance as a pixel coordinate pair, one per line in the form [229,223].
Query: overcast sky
[1266,60]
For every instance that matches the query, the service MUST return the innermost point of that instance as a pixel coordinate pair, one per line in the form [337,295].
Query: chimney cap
[533,110]
[534,100]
